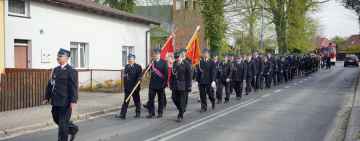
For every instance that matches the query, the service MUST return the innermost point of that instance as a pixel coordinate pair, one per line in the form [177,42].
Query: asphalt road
[302,110]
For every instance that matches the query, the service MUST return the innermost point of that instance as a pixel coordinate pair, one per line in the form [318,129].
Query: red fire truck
[329,50]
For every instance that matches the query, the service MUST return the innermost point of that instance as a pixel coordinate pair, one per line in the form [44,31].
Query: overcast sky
[335,19]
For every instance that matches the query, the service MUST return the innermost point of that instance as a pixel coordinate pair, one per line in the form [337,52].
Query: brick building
[181,16]
[353,41]
[186,16]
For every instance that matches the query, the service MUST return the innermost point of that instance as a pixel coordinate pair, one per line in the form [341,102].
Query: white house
[98,37]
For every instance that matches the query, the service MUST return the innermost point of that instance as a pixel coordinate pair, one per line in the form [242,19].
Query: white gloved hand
[195,83]
[213,84]
[228,80]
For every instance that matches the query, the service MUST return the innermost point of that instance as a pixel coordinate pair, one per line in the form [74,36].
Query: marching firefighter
[132,74]
[218,70]
[180,83]
[286,68]
[238,73]
[205,76]
[62,92]
[158,82]
[274,68]
[249,75]
[267,72]
[223,80]
[280,74]
[258,71]
[231,62]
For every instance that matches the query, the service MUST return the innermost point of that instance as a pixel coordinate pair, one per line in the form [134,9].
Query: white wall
[105,35]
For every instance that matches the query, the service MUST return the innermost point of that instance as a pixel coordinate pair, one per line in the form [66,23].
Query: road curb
[10,133]
[14,132]
[353,127]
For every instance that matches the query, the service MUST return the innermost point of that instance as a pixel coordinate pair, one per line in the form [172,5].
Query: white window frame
[27,10]
[128,50]
[79,46]
[178,5]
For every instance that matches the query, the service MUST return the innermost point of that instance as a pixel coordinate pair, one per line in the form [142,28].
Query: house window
[79,54]
[126,50]
[19,8]
[178,5]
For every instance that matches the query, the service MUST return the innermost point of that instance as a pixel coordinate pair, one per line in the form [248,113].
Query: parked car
[351,60]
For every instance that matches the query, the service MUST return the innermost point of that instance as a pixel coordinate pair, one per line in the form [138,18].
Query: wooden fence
[22,88]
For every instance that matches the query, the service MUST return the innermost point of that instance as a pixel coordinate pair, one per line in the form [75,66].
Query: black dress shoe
[123,117]
[213,105]
[203,110]
[72,137]
[226,102]
[150,116]
[179,119]
[137,116]
[73,134]
[159,116]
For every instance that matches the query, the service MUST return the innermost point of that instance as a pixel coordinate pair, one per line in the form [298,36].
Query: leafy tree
[124,5]
[242,43]
[301,28]
[296,25]
[278,9]
[340,42]
[289,18]
[251,12]
[354,49]
[353,5]
[212,12]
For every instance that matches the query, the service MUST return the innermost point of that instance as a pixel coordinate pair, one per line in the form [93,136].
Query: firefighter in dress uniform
[223,80]
[132,75]
[249,75]
[205,76]
[238,73]
[257,81]
[62,92]
[267,72]
[180,82]
[158,82]
[218,69]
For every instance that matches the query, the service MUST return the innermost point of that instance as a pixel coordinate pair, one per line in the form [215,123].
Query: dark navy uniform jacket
[258,70]
[267,68]
[62,89]
[250,69]
[132,74]
[205,72]
[239,71]
[156,81]
[181,76]
[223,71]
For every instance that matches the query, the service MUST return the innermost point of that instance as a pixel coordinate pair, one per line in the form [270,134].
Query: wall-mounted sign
[45,55]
